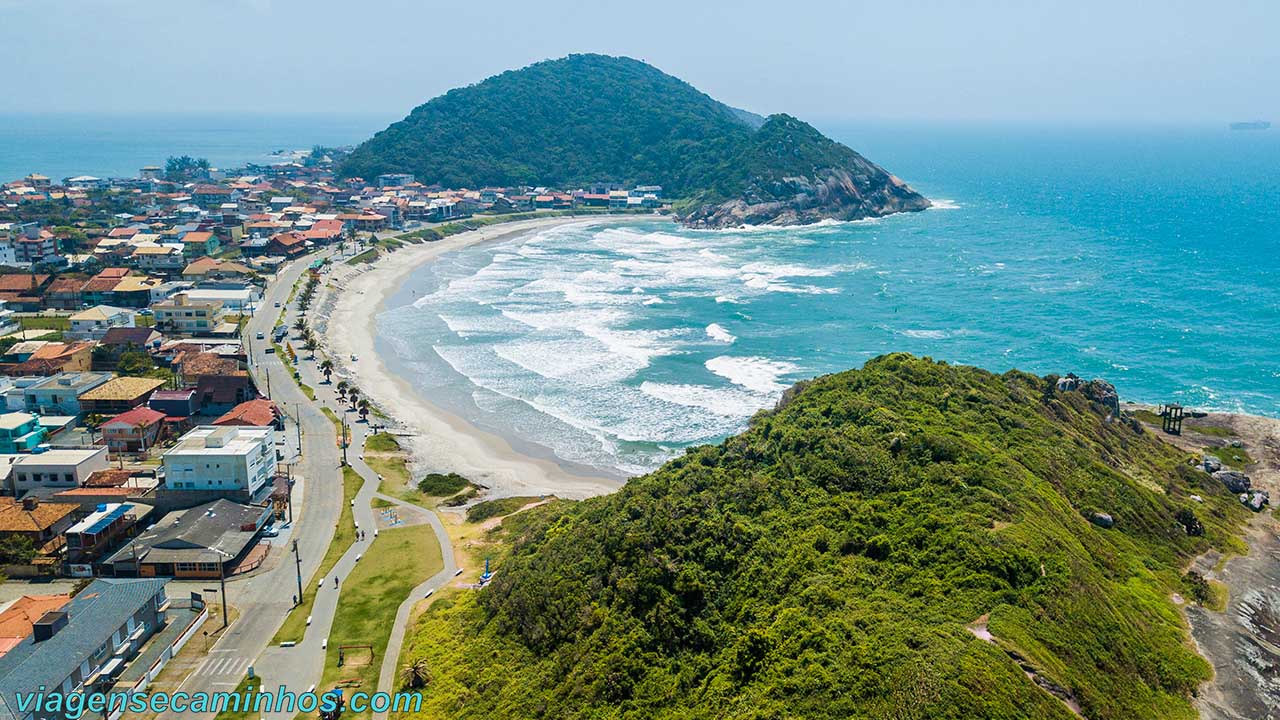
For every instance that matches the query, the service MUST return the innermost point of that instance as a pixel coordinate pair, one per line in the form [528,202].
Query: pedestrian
[335,581]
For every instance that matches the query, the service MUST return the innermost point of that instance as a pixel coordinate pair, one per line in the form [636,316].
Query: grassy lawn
[367,256]
[381,443]
[1234,458]
[46,322]
[1214,430]
[248,684]
[295,625]
[398,561]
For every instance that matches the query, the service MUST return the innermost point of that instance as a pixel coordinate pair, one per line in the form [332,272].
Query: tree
[16,550]
[364,409]
[300,325]
[353,396]
[311,345]
[342,389]
[415,675]
[326,367]
[135,363]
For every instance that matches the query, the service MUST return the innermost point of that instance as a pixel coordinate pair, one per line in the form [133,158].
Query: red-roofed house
[195,244]
[252,413]
[134,431]
[287,244]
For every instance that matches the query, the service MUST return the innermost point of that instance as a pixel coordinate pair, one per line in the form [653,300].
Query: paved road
[302,666]
[266,598]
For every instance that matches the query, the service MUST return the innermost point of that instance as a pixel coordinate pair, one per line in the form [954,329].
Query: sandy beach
[438,440]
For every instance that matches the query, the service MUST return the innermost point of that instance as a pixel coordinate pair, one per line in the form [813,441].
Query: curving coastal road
[265,599]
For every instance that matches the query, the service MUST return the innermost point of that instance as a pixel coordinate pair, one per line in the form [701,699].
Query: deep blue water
[1149,257]
[61,146]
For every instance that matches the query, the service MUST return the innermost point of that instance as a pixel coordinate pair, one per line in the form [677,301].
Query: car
[270,351]
[261,336]
[277,303]
[270,531]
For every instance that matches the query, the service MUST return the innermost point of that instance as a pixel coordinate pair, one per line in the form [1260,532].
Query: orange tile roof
[17,620]
[16,518]
[258,413]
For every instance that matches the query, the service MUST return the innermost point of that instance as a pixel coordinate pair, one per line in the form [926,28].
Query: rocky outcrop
[830,194]
[1234,480]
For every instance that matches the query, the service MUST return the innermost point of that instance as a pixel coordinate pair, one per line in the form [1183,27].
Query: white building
[212,457]
[93,323]
[61,468]
[235,298]
[8,323]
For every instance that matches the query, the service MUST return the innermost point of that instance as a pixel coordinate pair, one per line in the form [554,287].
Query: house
[166,290]
[135,431]
[175,404]
[212,195]
[119,395]
[93,323]
[395,180]
[39,248]
[205,541]
[18,620]
[20,432]
[100,289]
[59,469]
[51,358]
[133,291]
[121,339]
[42,523]
[60,394]
[180,314]
[161,258]
[235,297]
[220,382]
[237,460]
[64,293]
[287,244]
[207,268]
[195,244]
[23,292]
[94,534]
[252,413]
[84,646]
[8,323]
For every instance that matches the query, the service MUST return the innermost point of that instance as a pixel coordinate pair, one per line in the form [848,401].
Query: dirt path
[1243,642]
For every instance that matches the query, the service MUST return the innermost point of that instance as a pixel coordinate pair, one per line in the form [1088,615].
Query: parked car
[262,336]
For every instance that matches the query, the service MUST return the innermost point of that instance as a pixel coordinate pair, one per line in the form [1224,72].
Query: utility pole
[297,419]
[298,561]
[222,583]
[343,440]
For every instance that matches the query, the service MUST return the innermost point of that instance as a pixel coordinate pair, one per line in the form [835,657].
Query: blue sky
[1082,61]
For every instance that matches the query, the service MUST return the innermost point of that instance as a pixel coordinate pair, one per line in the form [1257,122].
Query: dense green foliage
[593,118]
[482,511]
[442,484]
[832,560]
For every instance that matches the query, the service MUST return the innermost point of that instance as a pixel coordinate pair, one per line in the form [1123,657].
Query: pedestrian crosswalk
[223,664]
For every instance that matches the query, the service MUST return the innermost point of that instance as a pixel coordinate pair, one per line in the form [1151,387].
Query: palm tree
[415,675]
[364,409]
[342,389]
[300,325]
[311,345]
[326,367]
[353,396]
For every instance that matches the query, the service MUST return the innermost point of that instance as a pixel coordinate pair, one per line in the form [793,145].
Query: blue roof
[105,521]
[92,616]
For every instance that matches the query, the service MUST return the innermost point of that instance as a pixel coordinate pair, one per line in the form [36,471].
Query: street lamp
[222,581]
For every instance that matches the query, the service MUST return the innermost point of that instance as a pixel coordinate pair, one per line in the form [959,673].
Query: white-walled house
[93,323]
[60,468]
[230,458]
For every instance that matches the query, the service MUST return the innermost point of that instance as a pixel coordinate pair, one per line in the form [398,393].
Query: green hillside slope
[843,557]
[592,118]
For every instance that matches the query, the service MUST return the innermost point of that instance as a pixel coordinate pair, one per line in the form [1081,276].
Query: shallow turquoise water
[1149,258]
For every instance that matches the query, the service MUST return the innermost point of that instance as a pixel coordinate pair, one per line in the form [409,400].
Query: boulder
[1212,464]
[1237,444]
[1102,520]
[1234,480]
[1255,500]
[1103,393]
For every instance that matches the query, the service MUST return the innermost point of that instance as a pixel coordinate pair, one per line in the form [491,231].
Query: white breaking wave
[944,204]
[716,331]
[725,402]
[758,374]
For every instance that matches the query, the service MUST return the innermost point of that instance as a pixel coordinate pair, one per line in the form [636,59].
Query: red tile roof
[141,416]
[257,413]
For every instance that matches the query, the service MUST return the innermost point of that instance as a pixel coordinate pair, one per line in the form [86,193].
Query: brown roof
[201,363]
[109,478]
[123,388]
[65,285]
[16,518]
[95,491]
[256,413]
[19,282]
[197,237]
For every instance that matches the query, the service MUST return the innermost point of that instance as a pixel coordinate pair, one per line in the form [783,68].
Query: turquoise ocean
[1148,257]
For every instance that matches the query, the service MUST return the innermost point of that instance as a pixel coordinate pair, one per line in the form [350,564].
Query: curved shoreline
[438,440]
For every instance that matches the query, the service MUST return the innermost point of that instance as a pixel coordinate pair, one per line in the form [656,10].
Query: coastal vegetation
[398,560]
[499,507]
[588,119]
[908,540]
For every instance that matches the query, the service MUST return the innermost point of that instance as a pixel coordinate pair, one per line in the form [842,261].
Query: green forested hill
[571,122]
[832,561]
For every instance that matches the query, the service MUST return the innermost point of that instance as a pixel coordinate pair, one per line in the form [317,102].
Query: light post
[297,559]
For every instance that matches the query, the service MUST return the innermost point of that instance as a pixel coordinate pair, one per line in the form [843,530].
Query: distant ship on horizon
[1254,125]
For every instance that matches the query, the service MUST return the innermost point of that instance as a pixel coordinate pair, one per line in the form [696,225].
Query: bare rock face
[831,194]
